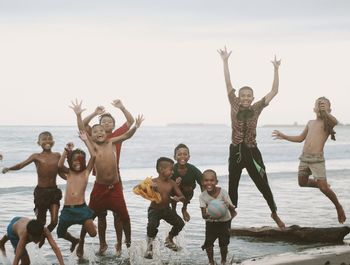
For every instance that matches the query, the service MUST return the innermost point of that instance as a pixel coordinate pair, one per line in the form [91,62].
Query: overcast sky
[160,58]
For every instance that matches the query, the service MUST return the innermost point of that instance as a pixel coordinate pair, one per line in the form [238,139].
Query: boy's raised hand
[276,63]
[69,146]
[76,107]
[99,110]
[139,119]
[277,135]
[224,54]
[83,135]
[117,103]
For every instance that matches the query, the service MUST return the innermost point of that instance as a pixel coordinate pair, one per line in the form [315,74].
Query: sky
[160,58]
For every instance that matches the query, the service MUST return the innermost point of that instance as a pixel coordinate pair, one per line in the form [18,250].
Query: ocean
[209,145]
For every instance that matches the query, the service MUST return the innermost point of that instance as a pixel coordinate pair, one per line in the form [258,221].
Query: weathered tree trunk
[295,233]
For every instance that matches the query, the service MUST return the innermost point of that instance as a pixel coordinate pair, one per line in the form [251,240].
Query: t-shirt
[244,124]
[205,198]
[121,130]
[192,175]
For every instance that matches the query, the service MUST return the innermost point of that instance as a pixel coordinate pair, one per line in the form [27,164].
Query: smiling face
[182,155]
[98,134]
[209,180]
[246,97]
[46,141]
[107,122]
[77,162]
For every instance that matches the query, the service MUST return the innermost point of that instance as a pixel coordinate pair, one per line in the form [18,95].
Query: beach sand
[332,255]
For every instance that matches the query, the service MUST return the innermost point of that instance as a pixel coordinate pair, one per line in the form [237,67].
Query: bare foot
[186,216]
[74,244]
[341,214]
[278,221]
[103,248]
[118,249]
[80,250]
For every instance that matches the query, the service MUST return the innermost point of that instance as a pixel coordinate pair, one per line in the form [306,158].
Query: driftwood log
[295,233]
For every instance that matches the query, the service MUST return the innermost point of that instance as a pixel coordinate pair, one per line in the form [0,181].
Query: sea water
[209,145]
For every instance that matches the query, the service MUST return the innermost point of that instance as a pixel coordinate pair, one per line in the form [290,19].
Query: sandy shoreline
[333,255]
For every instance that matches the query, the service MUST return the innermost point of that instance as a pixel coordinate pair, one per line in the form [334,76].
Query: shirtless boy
[157,211]
[108,123]
[312,161]
[22,231]
[75,210]
[107,193]
[47,195]
[244,151]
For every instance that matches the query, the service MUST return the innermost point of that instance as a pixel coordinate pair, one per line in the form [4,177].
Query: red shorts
[109,197]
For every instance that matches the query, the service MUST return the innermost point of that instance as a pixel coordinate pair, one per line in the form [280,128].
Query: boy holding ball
[215,227]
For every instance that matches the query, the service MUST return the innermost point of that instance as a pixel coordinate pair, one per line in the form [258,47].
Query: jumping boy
[312,161]
[47,195]
[158,211]
[244,152]
[218,228]
[22,231]
[185,175]
[75,210]
[107,193]
[108,123]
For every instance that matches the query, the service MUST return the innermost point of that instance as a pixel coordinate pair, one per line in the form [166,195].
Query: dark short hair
[180,146]
[245,88]
[35,228]
[106,115]
[209,171]
[45,133]
[161,161]
[96,125]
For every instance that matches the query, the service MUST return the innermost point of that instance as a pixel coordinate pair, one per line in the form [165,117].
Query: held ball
[216,209]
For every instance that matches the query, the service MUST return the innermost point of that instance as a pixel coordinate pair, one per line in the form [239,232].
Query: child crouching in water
[215,228]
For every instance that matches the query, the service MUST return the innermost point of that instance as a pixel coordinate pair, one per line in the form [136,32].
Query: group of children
[175,182]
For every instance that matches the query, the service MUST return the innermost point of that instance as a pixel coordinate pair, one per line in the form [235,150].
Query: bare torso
[76,186]
[106,163]
[316,137]
[165,188]
[47,167]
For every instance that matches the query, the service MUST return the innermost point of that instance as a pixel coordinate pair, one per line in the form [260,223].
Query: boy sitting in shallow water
[75,210]
[21,231]
[312,160]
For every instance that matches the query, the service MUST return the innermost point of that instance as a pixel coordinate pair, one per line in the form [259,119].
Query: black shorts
[214,230]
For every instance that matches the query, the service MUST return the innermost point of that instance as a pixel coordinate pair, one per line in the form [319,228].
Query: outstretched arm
[54,246]
[61,167]
[130,132]
[77,108]
[129,118]
[224,56]
[98,111]
[297,138]
[21,165]
[274,90]
[83,136]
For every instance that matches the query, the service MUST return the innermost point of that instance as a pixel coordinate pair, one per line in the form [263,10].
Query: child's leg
[3,240]
[54,216]
[188,193]
[118,226]
[210,254]
[74,241]
[25,260]
[102,226]
[90,227]
[223,252]
[80,248]
[326,190]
